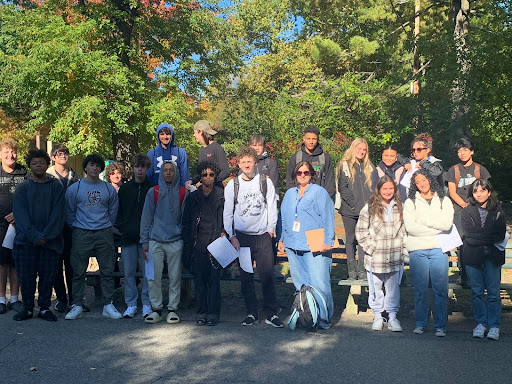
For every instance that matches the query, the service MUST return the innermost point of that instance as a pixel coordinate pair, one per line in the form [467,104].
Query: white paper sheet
[149,267]
[406,180]
[223,251]
[503,244]
[449,240]
[9,237]
[245,259]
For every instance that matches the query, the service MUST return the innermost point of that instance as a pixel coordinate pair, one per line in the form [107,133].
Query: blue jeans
[130,255]
[431,263]
[314,271]
[489,277]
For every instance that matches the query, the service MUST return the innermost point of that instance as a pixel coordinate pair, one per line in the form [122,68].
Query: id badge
[296,225]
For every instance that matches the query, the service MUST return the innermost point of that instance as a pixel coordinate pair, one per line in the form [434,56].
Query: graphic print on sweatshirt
[467,180]
[93,198]
[160,161]
[251,205]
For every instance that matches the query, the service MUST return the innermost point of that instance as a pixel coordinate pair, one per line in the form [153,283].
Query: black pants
[457,220]
[262,254]
[30,262]
[206,285]
[350,243]
[58,284]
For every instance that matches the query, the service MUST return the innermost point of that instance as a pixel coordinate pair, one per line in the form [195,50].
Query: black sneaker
[275,322]
[3,308]
[61,306]
[23,315]
[249,320]
[85,308]
[47,315]
[16,306]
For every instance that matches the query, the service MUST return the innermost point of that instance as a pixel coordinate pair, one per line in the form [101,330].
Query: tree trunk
[125,146]
[460,89]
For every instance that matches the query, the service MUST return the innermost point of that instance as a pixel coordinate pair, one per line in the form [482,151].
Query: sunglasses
[418,149]
[305,173]
[211,174]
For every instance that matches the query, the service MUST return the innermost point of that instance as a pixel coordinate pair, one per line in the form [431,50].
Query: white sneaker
[479,331]
[418,330]
[146,310]
[440,332]
[394,325]
[75,313]
[378,323]
[130,312]
[111,312]
[494,334]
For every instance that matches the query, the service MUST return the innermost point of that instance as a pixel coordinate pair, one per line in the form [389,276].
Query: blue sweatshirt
[162,221]
[315,209]
[91,206]
[40,212]
[158,155]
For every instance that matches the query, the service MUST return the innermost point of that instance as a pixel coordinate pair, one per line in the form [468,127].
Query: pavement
[98,350]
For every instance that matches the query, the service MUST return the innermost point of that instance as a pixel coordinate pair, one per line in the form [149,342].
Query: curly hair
[204,165]
[424,138]
[492,202]
[116,165]
[375,208]
[434,185]
[312,171]
[37,154]
[94,158]
[247,152]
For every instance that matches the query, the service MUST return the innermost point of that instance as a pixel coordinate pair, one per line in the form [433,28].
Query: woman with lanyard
[306,207]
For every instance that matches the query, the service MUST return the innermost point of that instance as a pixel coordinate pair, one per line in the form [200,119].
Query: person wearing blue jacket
[306,207]
[39,211]
[160,236]
[166,150]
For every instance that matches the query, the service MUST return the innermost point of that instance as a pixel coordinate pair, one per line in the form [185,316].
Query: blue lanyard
[298,201]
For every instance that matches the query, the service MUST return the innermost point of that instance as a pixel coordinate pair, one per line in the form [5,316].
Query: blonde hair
[350,157]
[9,143]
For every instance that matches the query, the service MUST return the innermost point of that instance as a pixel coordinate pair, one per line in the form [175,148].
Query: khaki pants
[172,252]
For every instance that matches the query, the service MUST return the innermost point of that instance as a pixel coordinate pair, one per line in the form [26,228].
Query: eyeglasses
[305,173]
[418,149]
[211,174]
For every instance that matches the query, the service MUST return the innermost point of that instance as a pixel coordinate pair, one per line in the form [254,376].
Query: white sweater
[424,221]
[251,216]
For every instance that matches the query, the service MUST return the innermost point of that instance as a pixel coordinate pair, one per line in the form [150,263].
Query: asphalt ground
[98,350]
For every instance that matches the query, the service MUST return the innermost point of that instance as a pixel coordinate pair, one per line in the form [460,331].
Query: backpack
[457,173]
[321,160]
[305,311]
[181,191]
[346,171]
[236,186]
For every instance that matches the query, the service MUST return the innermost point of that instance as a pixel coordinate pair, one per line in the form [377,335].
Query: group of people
[392,213]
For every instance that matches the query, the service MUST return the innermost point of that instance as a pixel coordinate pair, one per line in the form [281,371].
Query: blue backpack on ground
[305,310]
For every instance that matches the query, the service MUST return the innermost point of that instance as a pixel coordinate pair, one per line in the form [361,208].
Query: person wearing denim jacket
[427,213]
[306,207]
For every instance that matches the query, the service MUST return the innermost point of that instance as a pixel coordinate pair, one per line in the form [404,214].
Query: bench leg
[352,308]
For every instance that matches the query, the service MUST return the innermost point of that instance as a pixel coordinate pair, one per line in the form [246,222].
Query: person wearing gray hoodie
[160,236]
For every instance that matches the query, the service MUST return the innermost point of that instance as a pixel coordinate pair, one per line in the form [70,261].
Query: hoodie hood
[316,152]
[162,126]
[263,156]
[175,182]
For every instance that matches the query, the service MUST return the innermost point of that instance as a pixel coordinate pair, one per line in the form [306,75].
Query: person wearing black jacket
[483,221]
[312,152]
[132,196]
[202,223]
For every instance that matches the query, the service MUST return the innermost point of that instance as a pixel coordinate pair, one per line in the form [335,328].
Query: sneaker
[394,325]
[418,330]
[378,323]
[60,306]
[130,312]
[172,318]
[479,331]
[3,308]
[212,322]
[440,332]
[111,312]
[274,321]
[75,313]
[16,306]
[249,320]
[47,315]
[23,315]
[494,334]
[146,310]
